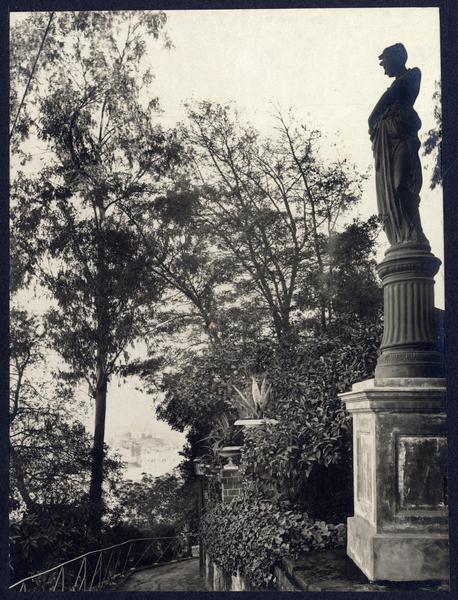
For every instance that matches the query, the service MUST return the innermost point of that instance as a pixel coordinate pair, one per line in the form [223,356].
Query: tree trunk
[101,382]
[20,479]
[95,491]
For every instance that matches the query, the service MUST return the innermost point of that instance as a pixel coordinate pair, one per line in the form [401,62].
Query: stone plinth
[409,345]
[399,531]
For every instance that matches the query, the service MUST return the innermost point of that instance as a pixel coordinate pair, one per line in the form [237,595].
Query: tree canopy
[302,295]
[105,153]
[228,253]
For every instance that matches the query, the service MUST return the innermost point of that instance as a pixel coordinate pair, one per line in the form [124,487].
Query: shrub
[313,433]
[251,534]
[45,537]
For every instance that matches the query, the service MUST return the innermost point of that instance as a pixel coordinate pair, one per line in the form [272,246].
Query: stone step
[334,571]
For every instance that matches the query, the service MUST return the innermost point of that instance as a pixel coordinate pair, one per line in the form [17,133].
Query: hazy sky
[320,62]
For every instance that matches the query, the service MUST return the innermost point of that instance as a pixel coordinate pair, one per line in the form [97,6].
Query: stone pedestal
[231,482]
[231,479]
[399,531]
[409,346]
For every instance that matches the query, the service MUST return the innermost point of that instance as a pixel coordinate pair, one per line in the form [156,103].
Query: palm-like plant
[220,434]
[252,406]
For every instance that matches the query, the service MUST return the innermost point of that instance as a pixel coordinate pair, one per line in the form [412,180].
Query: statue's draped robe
[393,127]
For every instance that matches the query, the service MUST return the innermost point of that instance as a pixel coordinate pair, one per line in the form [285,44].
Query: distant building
[143,452]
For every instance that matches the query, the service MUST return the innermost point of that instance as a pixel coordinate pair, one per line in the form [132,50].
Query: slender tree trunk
[100,391]
[95,491]
[20,479]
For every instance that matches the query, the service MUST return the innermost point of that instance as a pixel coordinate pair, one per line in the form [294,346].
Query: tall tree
[271,210]
[272,206]
[94,115]
[50,456]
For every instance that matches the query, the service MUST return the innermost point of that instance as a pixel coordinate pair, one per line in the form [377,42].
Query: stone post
[231,482]
[399,530]
[199,469]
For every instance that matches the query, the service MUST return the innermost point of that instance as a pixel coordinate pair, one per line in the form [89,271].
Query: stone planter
[202,468]
[199,467]
[248,423]
[230,452]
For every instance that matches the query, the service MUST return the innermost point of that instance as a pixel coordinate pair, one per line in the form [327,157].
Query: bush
[45,537]
[251,534]
[310,446]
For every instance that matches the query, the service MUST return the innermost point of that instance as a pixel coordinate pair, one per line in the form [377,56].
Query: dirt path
[177,577]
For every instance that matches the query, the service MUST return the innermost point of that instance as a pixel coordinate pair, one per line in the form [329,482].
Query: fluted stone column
[409,344]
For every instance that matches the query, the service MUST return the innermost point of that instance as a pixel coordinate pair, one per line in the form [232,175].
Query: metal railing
[103,568]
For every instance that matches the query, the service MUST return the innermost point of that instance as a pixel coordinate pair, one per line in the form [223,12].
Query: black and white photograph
[227,301]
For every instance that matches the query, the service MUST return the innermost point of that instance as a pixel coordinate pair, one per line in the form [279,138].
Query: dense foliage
[50,457]
[229,254]
[307,371]
[50,454]
[50,470]
[308,452]
[167,500]
[251,534]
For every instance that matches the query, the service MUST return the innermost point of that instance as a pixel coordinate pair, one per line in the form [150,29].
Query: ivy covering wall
[251,534]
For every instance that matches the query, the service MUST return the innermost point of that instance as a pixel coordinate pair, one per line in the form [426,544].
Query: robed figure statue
[393,128]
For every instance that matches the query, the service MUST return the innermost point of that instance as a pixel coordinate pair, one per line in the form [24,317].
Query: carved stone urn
[230,453]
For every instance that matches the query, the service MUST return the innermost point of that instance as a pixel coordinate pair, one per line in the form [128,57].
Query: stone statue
[393,129]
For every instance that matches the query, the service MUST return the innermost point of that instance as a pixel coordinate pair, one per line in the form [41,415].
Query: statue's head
[393,59]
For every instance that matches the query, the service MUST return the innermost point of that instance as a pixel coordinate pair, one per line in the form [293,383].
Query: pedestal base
[400,528]
[397,556]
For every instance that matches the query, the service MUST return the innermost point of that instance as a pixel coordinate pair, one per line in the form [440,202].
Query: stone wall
[218,580]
